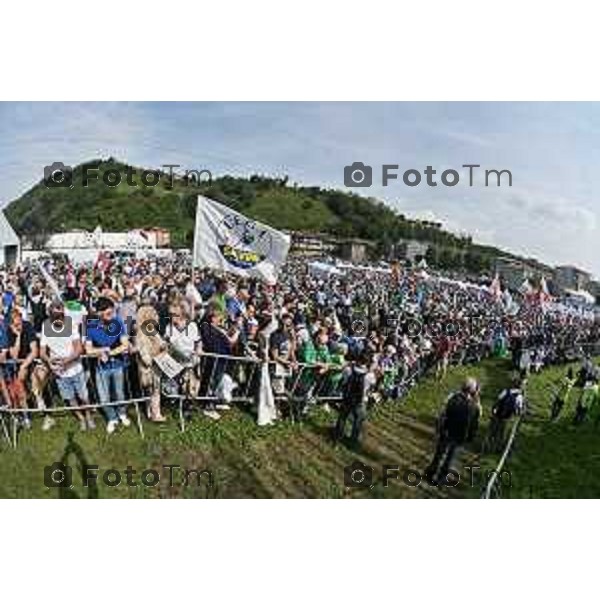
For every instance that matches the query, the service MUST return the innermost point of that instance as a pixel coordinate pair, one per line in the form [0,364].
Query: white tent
[580,296]
[320,268]
[10,245]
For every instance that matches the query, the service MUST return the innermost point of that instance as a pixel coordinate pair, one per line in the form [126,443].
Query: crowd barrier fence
[305,385]
[493,489]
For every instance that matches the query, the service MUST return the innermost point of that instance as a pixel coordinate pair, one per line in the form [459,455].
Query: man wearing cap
[107,340]
[457,425]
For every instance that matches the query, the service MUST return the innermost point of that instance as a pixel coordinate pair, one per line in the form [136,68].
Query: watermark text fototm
[414,327]
[60,475]
[59,175]
[360,475]
[358,174]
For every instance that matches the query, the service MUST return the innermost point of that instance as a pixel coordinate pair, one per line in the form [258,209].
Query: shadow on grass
[72,448]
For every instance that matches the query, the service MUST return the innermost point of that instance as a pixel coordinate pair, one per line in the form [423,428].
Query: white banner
[267,413]
[228,241]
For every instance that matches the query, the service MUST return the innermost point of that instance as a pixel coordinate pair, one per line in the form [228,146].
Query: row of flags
[539,294]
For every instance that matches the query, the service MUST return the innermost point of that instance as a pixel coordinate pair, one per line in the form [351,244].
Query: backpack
[354,389]
[506,405]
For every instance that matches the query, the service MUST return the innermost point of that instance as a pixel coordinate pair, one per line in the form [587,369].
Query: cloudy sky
[552,149]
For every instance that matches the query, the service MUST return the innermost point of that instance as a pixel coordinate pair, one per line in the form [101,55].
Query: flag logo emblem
[244,243]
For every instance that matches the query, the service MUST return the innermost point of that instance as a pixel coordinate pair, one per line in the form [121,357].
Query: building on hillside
[84,246]
[593,287]
[355,250]
[313,245]
[571,278]
[513,272]
[158,236]
[10,244]
[102,240]
[412,250]
[320,245]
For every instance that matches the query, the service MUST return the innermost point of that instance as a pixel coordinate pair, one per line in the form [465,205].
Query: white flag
[495,290]
[267,413]
[228,241]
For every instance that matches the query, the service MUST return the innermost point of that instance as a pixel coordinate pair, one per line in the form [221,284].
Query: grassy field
[554,460]
[298,460]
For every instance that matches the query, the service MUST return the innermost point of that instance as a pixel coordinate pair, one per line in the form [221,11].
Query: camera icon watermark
[358,475]
[58,328]
[58,175]
[358,175]
[359,326]
[58,475]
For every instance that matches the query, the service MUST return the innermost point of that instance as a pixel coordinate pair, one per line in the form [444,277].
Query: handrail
[492,481]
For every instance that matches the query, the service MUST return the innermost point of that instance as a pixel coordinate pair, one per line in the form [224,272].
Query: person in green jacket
[322,350]
[588,403]
[315,359]
[307,355]
[594,405]
[561,395]
[323,360]
[338,362]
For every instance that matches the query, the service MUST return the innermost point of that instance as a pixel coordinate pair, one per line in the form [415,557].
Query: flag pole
[195,250]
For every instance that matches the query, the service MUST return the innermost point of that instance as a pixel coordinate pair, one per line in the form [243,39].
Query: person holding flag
[543,293]
[495,290]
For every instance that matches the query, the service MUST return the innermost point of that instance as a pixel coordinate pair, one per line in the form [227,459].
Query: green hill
[44,210]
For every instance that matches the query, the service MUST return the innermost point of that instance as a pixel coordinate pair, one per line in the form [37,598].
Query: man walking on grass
[510,404]
[357,382]
[457,425]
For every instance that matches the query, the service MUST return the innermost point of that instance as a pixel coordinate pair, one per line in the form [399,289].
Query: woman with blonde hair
[184,341]
[149,344]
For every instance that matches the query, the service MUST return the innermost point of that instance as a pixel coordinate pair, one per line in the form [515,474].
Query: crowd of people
[92,336]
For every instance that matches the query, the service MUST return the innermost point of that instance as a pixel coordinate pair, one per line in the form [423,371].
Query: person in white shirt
[183,335]
[194,299]
[61,349]
[184,341]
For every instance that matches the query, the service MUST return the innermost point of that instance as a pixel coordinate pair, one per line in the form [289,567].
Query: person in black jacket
[457,425]
[357,382]
[510,404]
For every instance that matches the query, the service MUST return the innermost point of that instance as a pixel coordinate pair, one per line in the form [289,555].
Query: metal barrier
[14,412]
[492,486]
[200,384]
